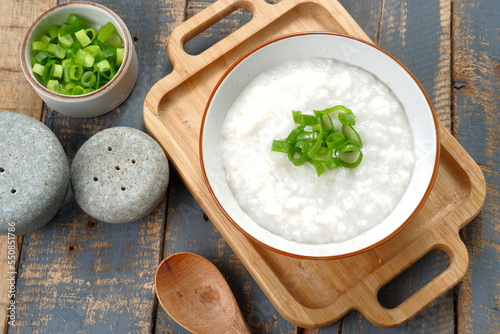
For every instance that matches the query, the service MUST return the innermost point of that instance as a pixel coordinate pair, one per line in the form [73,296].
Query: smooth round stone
[34,174]
[119,175]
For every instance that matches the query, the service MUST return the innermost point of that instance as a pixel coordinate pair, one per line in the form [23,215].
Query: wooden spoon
[196,295]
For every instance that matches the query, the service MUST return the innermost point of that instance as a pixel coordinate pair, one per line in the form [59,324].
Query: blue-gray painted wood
[476,79]
[78,275]
[189,230]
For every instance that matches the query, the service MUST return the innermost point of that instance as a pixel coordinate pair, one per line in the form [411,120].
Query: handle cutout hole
[204,39]
[408,282]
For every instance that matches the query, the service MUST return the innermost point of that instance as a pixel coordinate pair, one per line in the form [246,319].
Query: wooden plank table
[79,275]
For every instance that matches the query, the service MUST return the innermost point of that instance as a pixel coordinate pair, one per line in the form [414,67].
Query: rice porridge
[293,202]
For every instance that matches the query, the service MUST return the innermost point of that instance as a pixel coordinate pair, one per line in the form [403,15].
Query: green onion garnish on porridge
[326,140]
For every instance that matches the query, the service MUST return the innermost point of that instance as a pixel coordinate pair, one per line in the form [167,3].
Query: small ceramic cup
[107,97]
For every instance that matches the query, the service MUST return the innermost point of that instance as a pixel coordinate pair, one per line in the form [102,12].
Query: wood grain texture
[476,80]
[11,255]
[189,229]
[17,96]
[194,292]
[417,33]
[368,14]
[81,275]
[16,18]
[287,281]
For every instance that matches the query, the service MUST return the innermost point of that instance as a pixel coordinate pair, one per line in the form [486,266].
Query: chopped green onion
[91,33]
[75,24]
[56,50]
[75,72]
[78,57]
[102,45]
[70,29]
[74,19]
[103,66]
[65,40]
[38,46]
[45,39]
[38,69]
[106,31]
[347,151]
[41,58]
[109,54]
[316,141]
[281,146]
[115,40]
[93,50]
[299,118]
[53,32]
[120,53]
[57,72]
[69,87]
[49,69]
[78,90]
[82,37]
[88,78]
[108,72]
[53,85]
[84,58]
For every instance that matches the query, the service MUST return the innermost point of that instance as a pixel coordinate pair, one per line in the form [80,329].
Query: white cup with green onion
[80,59]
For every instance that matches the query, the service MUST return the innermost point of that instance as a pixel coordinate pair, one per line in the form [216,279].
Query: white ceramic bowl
[107,97]
[415,102]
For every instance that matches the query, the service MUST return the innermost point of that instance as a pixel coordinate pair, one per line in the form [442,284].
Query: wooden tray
[309,293]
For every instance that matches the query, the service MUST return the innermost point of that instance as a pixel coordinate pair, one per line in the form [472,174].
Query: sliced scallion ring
[316,140]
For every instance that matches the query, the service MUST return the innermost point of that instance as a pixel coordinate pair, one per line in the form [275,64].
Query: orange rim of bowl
[328,257]
[126,60]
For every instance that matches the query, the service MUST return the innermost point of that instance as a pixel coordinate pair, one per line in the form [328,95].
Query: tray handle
[447,241]
[262,13]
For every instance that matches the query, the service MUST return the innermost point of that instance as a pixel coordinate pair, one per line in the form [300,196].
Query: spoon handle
[239,325]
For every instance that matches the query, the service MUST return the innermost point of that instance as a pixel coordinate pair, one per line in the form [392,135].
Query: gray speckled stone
[119,175]
[34,173]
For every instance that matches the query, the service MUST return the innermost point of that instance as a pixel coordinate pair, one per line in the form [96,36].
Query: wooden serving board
[309,293]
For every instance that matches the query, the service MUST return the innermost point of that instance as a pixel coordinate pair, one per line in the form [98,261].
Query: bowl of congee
[319,145]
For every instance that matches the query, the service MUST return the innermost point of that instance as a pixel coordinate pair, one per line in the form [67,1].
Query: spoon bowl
[196,295]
